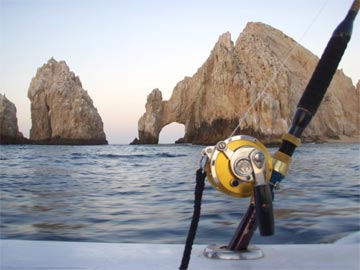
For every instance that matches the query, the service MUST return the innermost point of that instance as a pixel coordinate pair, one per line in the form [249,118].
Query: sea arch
[173,132]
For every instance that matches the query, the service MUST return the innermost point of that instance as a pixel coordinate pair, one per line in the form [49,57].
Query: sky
[122,50]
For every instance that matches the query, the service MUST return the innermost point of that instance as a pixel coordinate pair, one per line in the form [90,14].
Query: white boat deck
[20,255]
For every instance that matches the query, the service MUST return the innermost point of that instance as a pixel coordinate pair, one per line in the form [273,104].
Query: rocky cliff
[211,102]
[62,112]
[9,130]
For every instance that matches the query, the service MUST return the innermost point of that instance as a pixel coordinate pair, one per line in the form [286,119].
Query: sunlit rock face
[251,71]
[9,130]
[62,112]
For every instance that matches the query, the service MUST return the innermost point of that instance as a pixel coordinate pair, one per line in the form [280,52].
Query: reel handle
[264,209]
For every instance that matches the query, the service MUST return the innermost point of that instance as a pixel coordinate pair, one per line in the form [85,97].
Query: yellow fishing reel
[236,164]
[241,166]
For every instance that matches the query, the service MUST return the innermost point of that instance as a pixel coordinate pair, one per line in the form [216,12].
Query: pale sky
[122,50]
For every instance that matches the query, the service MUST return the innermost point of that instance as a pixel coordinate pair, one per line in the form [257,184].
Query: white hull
[20,255]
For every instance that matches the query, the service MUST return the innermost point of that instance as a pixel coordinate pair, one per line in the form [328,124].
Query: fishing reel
[241,166]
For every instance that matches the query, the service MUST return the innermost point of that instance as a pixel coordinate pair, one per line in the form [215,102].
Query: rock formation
[62,112]
[234,76]
[9,130]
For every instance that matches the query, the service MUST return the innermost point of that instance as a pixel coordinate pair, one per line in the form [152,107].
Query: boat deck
[21,254]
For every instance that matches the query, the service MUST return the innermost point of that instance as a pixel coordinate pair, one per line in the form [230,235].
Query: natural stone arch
[172,133]
[222,90]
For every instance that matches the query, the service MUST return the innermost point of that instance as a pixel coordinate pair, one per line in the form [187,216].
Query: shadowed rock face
[9,130]
[210,102]
[62,112]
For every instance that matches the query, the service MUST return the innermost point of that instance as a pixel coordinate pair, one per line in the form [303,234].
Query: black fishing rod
[316,88]
[241,166]
[306,109]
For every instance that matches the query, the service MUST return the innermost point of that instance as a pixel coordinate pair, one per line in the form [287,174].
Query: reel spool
[241,166]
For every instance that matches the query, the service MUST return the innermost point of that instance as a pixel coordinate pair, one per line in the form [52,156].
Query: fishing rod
[306,109]
[241,166]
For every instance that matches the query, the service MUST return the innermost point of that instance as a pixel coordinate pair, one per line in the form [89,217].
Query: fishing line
[276,73]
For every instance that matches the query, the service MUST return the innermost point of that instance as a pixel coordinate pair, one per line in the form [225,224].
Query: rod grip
[328,63]
[323,74]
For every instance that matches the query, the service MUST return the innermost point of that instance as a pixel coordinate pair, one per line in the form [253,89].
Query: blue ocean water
[144,193]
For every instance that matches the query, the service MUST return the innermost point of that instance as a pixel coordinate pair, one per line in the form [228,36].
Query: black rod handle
[245,230]
[328,63]
[317,86]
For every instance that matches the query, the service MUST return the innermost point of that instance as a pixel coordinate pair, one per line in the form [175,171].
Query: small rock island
[9,130]
[62,112]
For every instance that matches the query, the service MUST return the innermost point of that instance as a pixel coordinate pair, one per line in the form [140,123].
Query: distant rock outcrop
[62,112]
[9,130]
[210,102]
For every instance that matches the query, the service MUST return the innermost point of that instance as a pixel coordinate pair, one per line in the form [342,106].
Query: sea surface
[144,194]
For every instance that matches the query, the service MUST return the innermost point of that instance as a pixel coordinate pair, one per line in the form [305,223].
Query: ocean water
[144,194]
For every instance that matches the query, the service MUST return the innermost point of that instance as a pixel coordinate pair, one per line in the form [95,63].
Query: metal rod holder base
[221,252]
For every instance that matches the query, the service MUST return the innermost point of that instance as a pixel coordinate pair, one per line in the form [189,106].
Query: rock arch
[172,133]
[210,102]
